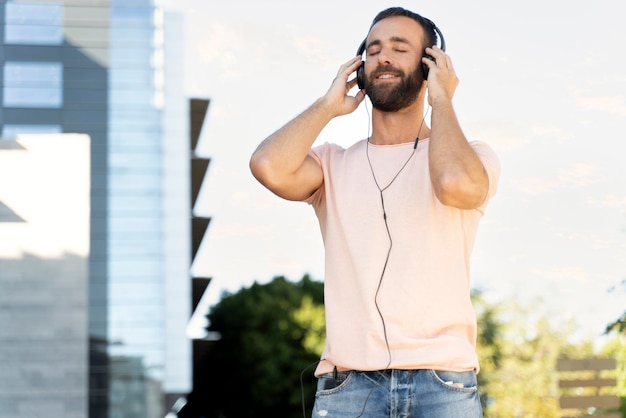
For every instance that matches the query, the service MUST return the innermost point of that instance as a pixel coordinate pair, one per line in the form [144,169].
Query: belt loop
[335,372]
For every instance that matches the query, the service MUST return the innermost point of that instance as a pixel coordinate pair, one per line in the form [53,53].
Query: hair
[427,25]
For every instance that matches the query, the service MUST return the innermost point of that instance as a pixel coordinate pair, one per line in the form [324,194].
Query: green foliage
[270,334]
[489,344]
[274,333]
[619,325]
[518,348]
[616,348]
[310,316]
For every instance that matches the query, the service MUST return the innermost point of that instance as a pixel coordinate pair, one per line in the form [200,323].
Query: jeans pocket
[332,382]
[460,381]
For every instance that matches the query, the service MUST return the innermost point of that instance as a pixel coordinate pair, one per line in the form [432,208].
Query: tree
[489,344]
[616,348]
[273,335]
[270,335]
[619,325]
[518,348]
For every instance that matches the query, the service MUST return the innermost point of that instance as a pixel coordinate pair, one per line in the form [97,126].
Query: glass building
[103,68]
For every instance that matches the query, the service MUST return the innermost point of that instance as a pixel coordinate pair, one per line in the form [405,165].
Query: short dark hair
[426,24]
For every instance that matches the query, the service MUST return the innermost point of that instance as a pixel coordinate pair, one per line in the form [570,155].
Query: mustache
[386,69]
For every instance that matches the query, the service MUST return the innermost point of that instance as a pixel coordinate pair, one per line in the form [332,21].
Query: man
[398,213]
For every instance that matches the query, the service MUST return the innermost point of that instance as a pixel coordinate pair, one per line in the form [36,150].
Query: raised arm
[282,163]
[459,177]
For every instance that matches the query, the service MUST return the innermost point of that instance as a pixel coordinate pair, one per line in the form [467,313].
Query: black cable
[302,385]
[380,281]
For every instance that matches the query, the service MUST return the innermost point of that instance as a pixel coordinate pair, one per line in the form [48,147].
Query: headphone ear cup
[442,46]
[425,69]
[360,72]
[360,76]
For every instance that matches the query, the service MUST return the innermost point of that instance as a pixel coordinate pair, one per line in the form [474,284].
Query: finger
[347,69]
[359,96]
[429,62]
[350,66]
[449,62]
[440,56]
[435,50]
[356,59]
[351,83]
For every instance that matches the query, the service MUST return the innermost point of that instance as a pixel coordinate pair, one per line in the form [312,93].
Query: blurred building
[44,255]
[112,70]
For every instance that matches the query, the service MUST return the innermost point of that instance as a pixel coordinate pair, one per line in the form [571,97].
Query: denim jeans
[397,393]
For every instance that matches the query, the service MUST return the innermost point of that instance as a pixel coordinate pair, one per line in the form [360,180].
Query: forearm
[458,176]
[281,162]
[284,151]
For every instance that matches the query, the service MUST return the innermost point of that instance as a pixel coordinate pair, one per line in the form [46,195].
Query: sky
[542,82]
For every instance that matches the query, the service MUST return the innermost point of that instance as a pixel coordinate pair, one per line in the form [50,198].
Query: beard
[396,97]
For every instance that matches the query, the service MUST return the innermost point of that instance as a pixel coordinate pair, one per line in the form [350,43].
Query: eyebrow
[395,39]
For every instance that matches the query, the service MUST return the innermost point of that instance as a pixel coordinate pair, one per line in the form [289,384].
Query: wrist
[441,101]
[324,106]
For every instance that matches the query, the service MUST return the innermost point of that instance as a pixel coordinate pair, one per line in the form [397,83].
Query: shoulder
[487,155]
[490,161]
[328,150]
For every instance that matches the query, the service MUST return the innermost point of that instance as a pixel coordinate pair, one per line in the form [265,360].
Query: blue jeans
[397,393]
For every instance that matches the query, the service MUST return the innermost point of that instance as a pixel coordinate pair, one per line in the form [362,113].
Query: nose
[384,56]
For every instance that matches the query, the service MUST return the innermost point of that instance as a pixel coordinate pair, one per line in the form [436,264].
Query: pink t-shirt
[423,298]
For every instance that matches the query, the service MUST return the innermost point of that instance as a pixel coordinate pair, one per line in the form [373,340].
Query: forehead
[396,27]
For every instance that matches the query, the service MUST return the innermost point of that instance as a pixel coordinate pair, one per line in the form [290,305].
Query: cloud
[513,257]
[314,51]
[511,138]
[220,233]
[593,241]
[574,176]
[533,185]
[222,47]
[553,132]
[234,48]
[611,201]
[612,104]
[578,175]
[503,137]
[568,274]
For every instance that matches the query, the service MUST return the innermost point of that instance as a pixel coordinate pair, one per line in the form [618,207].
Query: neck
[406,125]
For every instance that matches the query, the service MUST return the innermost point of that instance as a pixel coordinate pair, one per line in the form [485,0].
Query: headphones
[360,72]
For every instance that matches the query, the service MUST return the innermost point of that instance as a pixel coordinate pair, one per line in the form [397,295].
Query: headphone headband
[438,35]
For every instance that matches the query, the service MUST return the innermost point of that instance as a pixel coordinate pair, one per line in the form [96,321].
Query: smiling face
[393,64]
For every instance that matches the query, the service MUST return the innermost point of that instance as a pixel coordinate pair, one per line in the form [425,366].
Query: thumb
[353,102]
[359,97]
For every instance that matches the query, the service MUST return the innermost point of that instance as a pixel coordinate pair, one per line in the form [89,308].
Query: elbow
[280,178]
[255,165]
[462,193]
[261,169]
[265,171]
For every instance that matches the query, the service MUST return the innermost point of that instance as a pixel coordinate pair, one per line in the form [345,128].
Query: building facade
[100,68]
[44,255]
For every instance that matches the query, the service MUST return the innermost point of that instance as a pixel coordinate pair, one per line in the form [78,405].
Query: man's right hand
[337,99]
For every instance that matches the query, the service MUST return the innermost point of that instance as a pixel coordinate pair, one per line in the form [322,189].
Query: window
[28,84]
[11,131]
[33,24]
